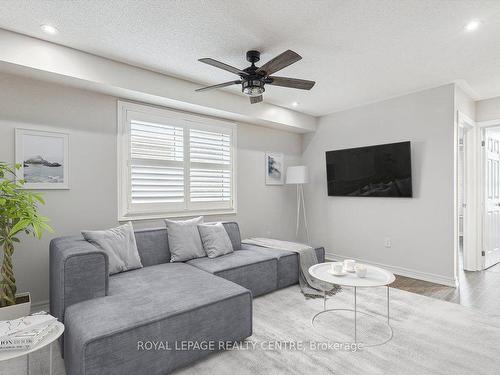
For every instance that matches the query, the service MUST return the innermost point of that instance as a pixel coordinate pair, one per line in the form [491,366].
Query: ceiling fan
[253,79]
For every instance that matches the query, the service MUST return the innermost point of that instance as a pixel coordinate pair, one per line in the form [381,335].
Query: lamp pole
[298,175]
[301,202]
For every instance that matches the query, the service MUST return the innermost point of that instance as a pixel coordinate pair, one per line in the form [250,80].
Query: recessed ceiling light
[472,25]
[295,104]
[49,29]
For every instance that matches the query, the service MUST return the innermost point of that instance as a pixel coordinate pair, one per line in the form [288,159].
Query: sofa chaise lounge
[133,322]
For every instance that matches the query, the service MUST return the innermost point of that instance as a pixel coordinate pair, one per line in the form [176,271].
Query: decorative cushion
[120,246]
[215,239]
[184,239]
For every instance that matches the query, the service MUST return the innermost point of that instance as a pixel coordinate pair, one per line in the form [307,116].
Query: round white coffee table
[375,277]
[48,340]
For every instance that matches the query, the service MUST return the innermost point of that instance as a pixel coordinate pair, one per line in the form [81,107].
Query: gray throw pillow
[215,239]
[184,239]
[119,243]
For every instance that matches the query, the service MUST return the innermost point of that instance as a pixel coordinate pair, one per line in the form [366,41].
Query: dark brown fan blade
[294,83]
[255,99]
[221,65]
[219,85]
[279,62]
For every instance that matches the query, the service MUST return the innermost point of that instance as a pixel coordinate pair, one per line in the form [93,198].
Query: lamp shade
[297,175]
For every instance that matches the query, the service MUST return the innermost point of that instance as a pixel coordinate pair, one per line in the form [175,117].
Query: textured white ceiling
[358,51]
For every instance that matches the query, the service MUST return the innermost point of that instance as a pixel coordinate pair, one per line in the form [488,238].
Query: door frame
[472,220]
[481,178]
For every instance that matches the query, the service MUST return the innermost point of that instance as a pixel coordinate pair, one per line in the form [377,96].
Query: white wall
[90,119]
[464,103]
[487,110]
[421,228]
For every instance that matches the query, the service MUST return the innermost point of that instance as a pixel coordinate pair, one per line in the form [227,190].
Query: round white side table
[375,277]
[48,340]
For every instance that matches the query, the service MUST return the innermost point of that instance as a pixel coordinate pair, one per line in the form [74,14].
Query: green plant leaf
[39,198]
[47,227]
[37,230]
[19,226]
[18,209]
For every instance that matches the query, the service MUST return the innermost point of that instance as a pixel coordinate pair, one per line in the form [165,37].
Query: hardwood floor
[480,290]
[426,288]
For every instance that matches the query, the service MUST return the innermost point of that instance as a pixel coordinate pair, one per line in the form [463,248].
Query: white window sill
[170,215]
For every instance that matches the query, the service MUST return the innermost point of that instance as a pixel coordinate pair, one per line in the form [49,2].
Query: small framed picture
[43,157]
[275,169]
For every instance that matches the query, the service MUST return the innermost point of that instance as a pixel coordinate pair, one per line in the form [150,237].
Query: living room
[227,229]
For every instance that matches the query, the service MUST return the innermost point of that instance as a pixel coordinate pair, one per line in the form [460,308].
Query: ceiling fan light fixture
[253,79]
[253,87]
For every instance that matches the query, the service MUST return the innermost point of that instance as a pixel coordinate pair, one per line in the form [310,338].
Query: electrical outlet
[387,242]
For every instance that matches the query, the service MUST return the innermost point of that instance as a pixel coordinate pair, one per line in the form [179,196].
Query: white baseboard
[426,276]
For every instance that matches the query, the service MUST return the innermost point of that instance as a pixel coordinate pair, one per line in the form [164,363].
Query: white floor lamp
[299,176]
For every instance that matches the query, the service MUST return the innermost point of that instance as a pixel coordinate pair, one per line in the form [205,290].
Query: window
[173,163]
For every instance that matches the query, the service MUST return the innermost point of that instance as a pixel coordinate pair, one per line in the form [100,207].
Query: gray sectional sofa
[111,321]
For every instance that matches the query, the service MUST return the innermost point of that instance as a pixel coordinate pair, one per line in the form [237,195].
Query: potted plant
[18,214]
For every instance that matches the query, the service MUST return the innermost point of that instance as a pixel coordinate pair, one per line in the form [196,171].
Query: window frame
[128,111]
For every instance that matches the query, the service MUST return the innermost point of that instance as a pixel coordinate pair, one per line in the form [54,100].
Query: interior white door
[492,201]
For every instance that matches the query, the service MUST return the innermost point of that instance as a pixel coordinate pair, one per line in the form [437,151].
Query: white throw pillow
[119,243]
[184,239]
[215,239]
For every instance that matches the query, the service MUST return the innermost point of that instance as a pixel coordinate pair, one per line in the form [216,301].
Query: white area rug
[430,337]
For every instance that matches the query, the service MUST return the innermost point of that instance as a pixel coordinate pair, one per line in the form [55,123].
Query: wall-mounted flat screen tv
[373,171]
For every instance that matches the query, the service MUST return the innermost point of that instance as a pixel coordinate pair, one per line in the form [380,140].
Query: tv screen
[373,171]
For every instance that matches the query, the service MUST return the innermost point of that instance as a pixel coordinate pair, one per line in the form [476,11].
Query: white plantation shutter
[173,163]
[157,184]
[210,185]
[157,154]
[210,172]
[209,147]
[156,141]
